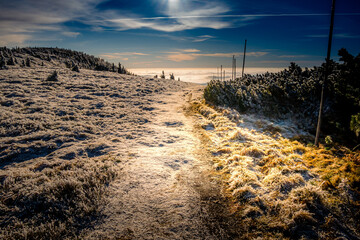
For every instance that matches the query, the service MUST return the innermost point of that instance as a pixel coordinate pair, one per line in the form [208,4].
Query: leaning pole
[242,75]
[326,74]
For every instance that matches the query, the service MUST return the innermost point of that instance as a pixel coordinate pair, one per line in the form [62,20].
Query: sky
[185,33]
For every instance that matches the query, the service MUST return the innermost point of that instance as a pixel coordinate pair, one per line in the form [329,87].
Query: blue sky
[184,33]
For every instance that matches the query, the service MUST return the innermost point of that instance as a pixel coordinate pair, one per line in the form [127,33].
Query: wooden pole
[326,74]
[242,75]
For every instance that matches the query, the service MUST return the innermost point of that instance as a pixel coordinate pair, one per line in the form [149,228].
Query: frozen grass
[61,143]
[53,200]
[280,188]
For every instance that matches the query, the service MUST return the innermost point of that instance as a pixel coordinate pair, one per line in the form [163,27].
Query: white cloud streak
[179,17]
[186,56]
[123,55]
[21,20]
[71,34]
[191,50]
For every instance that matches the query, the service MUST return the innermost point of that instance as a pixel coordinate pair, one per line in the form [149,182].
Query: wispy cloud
[181,57]
[20,20]
[177,16]
[191,50]
[13,39]
[121,56]
[71,34]
[211,15]
[23,20]
[189,56]
[293,56]
[202,38]
[339,35]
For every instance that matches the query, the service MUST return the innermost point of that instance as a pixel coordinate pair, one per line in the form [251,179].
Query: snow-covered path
[163,191]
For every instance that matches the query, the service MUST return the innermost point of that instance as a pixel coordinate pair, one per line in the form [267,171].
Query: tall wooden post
[326,74]
[242,75]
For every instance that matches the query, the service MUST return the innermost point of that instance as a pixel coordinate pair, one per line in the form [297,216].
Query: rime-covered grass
[281,188]
[60,142]
[53,200]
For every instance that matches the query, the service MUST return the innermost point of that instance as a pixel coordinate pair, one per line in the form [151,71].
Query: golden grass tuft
[281,188]
[252,151]
[244,194]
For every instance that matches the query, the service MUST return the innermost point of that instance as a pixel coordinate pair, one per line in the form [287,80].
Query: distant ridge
[42,56]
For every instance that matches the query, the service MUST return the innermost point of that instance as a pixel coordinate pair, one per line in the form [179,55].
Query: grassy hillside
[62,138]
[39,56]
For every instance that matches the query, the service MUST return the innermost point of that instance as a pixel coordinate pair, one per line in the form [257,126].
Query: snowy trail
[163,192]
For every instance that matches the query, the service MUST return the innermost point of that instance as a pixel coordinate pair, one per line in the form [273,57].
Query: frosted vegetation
[89,151]
[59,132]
[295,94]
[280,188]
[11,57]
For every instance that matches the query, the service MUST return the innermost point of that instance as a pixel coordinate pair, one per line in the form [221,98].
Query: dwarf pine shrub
[295,93]
[2,63]
[172,77]
[11,61]
[355,124]
[75,68]
[28,62]
[53,77]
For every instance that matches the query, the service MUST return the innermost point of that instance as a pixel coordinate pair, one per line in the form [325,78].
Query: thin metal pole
[242,75]
[326,74]
[221,73]
[235,69]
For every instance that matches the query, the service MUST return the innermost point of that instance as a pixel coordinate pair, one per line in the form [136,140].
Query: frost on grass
[61,143]
[53,200]
[281,189]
